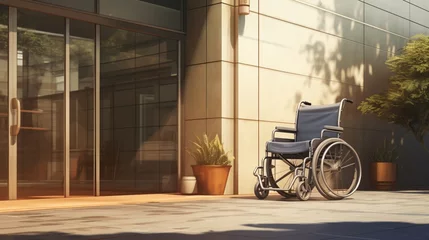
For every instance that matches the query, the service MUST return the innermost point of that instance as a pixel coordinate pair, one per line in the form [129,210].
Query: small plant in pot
[212,166]
[383,167]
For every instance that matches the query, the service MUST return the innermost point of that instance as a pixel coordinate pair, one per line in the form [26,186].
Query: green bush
[406,102]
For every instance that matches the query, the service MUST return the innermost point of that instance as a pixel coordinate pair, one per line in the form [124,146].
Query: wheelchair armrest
[333,128]
[282,130]
[285,129]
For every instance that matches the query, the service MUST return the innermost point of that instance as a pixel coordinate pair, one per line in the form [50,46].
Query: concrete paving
[366,215]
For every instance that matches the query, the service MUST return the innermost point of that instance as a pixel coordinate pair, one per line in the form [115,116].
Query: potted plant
[212,166]
[383,167]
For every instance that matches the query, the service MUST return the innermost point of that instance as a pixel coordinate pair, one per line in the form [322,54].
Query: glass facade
[161,13]
[139,112]
[84,5]
[115,122]
[146,11]
[82,83]
[40,88]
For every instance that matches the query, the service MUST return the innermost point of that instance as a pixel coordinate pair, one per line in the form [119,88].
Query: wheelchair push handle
[306,103]
[348,100]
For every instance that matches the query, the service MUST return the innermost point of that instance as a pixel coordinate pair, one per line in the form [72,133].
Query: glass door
[40,90]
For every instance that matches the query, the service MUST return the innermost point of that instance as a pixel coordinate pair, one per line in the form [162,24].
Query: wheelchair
[316,156]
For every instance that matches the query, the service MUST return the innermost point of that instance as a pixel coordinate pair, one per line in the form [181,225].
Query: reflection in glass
[40,89]
[84,5]
[82,78]
[138,113]
[160,13]
[4,109]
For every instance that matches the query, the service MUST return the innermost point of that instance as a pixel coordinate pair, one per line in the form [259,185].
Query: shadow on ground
[333,230]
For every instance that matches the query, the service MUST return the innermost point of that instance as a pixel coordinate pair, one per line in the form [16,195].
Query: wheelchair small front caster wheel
[259,192]
[303,191]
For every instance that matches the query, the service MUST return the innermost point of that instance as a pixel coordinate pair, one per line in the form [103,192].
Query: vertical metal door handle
[16,105]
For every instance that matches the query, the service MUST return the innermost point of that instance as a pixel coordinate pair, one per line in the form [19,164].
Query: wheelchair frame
[299,171]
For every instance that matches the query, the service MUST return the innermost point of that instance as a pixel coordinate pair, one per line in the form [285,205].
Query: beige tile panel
[351,8]
[220,33]
[400,8]
[228,141]
[385,20]
[195,92]
[220,90]
[214,33]
[247,155]
[309,16]
[376,81]
[228,33]
[281,92]
[383,40]
[196,41]
[248,39]
[254,5]
[228,90]
[421,3]
[291,48]
[214,89]
[192,128]
[247,92]
[196,3]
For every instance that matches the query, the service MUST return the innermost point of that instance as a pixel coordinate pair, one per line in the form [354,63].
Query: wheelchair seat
[288,147]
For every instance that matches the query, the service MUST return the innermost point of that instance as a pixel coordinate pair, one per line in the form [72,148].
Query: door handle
[16,105]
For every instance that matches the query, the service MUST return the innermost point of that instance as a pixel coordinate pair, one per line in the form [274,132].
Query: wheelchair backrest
[311,119]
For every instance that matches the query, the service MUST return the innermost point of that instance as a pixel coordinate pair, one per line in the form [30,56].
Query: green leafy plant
[386,153]
[406,101]
[210,152]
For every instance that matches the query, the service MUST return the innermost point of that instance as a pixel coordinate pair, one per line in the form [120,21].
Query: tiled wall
[246,74]
[208,90]
[321,51]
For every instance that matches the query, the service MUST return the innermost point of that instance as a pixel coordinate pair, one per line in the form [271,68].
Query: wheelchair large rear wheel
[337,169]
[280,174]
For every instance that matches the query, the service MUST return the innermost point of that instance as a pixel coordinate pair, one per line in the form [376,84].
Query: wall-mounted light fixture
[243,7]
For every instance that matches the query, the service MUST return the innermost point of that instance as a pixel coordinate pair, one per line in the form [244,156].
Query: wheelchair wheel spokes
[281,174]
[340,169]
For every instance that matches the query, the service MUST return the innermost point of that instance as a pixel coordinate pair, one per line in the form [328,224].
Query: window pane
[84,5]
[139,113]
[82,78]
[166,13]
[40,89]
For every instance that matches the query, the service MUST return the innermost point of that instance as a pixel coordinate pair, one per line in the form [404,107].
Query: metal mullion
[66,113]
[97,119]
[12,93]
[180,68]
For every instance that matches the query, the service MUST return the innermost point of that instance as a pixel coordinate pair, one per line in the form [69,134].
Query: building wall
[208,89]
[291,50]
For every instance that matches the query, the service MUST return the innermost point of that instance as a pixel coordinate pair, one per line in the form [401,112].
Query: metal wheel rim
[359,170]
[315,160]
[304,194]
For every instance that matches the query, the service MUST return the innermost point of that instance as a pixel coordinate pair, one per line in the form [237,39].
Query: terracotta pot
[211,179]
[383,175]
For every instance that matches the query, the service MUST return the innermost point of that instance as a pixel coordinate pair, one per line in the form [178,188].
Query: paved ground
[368,215]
